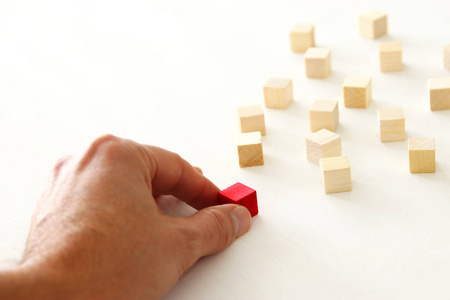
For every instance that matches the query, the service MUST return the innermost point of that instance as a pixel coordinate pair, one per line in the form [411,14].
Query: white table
[172,73]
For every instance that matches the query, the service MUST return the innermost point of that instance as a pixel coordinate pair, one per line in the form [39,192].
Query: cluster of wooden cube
[278,93]
[421,150]
[317,60]
[253,126]
[324,147]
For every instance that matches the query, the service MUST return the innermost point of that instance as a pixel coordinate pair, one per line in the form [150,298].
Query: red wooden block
[242,195]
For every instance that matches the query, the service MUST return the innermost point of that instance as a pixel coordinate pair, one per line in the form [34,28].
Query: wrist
[26,282]
[9,284]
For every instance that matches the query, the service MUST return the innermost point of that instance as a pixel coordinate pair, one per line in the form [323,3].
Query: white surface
[172,73]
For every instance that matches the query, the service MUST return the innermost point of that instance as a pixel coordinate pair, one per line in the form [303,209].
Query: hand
[97,232]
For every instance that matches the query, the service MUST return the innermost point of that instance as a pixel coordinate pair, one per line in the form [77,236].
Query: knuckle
[60,164]
[105,142]
[105,150]
[109,147]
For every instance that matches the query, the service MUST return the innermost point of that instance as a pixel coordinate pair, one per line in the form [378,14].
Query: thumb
[219,226]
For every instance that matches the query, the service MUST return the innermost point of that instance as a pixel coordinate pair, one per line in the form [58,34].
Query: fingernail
[242,220]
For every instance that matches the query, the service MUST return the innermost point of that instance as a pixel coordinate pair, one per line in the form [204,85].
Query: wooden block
[357,91]
[447,57]
[278,93]
[242,195]
[336,175]
[439,89]
[251,118]
[391,56]
[250,149]
[323,143]
[324,114]
[302,37]
[392,124]
[318,62]
[373,24]
[422,155]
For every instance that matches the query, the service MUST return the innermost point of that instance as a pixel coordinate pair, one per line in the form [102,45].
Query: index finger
[172,175]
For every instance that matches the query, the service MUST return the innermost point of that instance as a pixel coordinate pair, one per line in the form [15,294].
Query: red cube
[242,195]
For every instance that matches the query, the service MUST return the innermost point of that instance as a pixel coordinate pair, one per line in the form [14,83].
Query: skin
[98,233]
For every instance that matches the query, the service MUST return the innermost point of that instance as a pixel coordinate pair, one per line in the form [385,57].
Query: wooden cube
[391,56]
[251,118]
[278,93]
[357,91]
[250,149]
[392,124]
[373,24]
[302,37]
[439,89]
[422,155]
[324,114]
[323,143]
[447,57]
[242,195]
[318,62]
[336,175]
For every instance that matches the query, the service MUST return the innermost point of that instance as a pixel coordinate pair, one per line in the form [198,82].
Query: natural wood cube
[250,149]
[240,194]
[251,118]
[323,143]
[336,175]
[373,24]
[391,56]
[447,57]
[302,37]
[278,93]
[357,91]
[422,155]
[439,89]
[392,124]
[324,114]
[318,62]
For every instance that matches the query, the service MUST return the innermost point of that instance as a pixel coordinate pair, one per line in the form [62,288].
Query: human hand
[97,232]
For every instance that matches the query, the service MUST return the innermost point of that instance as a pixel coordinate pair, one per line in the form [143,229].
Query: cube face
[392,125]
[324,114]
[422,155]
[318,63]
[373,24]
[391,56]
[357,92]
[439,89]
[302,37]
[278,93]
[336,174]
[321,144]
[242,195]
[447,57]
[250,150]
[251,119]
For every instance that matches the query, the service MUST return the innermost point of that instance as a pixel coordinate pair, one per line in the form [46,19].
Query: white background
[172,73]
